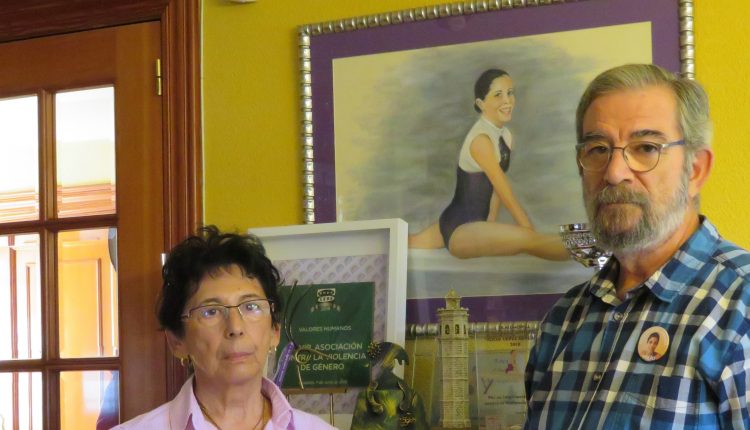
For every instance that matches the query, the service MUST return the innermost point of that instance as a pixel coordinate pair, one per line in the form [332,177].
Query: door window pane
[28,402]
[85,147]
[87,293]
[19,145]
[20,297]
[89,400]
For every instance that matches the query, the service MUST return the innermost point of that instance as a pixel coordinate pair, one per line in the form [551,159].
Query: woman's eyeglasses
[211,315]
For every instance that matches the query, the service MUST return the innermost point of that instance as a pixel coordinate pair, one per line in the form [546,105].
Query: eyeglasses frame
[662,147]
[271,305]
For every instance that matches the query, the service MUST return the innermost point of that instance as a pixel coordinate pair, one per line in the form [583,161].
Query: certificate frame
[347,241]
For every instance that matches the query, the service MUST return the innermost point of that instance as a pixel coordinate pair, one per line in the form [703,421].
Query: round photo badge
[653,344]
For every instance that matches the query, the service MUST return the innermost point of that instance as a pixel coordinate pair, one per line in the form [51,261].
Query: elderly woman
[220,308]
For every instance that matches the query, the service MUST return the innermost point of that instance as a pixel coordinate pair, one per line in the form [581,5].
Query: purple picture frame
[321,44]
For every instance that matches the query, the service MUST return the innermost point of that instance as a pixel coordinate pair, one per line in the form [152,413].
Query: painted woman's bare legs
[429,238]
[481,239]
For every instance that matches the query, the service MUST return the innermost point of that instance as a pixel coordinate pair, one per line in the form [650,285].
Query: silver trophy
[581,244]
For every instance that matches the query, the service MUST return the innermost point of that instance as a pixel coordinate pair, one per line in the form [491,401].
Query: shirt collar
[494,127]
[185,414]
[671,278]
[603,284]
[282,410]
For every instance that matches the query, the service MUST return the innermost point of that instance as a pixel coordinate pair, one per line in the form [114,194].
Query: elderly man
[644,156]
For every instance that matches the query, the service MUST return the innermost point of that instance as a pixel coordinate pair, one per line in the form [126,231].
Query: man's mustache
[619,194]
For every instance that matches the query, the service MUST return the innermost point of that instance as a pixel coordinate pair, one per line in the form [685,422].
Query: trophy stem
[581,245]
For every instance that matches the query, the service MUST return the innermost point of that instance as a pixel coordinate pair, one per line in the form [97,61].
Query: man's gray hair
[692,101]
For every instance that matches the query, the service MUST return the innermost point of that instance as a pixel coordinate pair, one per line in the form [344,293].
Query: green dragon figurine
[388,403]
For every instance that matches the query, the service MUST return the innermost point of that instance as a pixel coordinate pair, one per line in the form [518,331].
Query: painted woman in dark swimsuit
[467,227]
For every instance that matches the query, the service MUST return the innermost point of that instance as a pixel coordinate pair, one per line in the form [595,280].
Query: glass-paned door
[81,229]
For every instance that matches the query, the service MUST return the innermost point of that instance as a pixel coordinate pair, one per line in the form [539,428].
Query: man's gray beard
[653,226]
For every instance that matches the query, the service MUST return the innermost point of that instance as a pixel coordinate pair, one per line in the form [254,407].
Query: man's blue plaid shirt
[585,370]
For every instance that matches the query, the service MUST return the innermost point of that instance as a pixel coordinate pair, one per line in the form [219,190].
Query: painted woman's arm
[482,151]
[494,208]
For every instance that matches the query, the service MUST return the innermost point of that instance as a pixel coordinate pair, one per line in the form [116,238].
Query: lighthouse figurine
[454,359]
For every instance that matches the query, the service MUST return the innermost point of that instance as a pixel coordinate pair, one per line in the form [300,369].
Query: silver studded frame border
[512,329]
[306,32]
[687,39]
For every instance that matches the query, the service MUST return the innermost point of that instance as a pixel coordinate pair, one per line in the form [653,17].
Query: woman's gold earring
[184,361]
[272,350]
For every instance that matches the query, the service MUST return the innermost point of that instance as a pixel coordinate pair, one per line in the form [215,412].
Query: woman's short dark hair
[483,84]
[203,255]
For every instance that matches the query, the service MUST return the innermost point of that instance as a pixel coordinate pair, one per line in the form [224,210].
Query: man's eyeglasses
[250,310]
[640,155]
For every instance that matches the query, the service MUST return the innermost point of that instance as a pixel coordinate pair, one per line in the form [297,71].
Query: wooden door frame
[180,24]
[181,104]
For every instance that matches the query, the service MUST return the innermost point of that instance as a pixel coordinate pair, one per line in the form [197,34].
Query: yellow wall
[251,107]
[723,66]
[253,164]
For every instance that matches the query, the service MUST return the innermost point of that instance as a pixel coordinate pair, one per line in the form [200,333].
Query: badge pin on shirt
[653,344]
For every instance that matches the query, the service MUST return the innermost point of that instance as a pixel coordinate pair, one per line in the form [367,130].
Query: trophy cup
[581,244]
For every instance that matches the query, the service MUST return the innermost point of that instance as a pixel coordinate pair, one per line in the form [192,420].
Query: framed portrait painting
[389,102]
